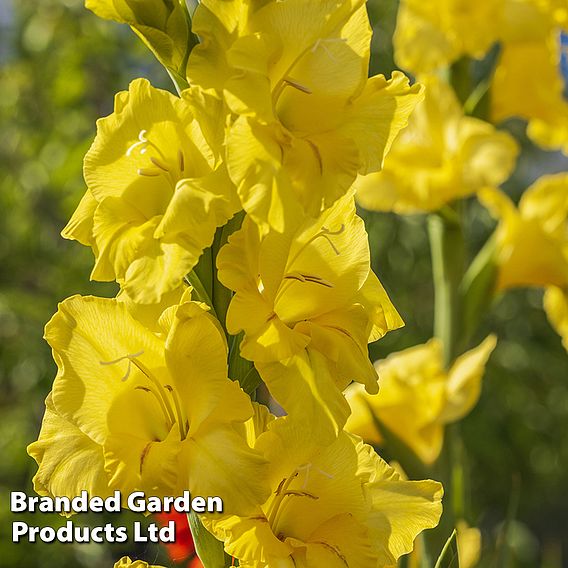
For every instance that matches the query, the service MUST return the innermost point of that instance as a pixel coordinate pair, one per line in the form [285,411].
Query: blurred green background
[59,69]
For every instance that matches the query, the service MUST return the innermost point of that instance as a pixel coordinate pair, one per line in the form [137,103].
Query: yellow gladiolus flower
[135,410]
[126,562]
[308,304]
[442,155]
[308,119]
[157,190]
[335,506]
[432,35]
[163,25]
[418,397]
[532,243]
[532,38]
[543,104]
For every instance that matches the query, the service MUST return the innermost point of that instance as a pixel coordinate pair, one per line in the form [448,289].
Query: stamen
[296,85]
[158,393]
[158,163]
[160,402]
[158,159]
[166,406]
[180,416]
[323,232]
[299,277]
[282,487]
[317,154]
[148,172]
[144,454]
[284,502]
[181,160]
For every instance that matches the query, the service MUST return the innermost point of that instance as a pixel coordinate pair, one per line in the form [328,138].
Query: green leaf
[208,548]
[449,557]
[199,292]
[241,369]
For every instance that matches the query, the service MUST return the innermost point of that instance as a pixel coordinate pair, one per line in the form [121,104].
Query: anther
[181,160]
[148,172]
[297,85]
[159,163]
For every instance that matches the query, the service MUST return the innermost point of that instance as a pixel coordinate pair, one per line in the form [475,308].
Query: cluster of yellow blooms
[226,214]
[446,155]
[241,186]
[531,34]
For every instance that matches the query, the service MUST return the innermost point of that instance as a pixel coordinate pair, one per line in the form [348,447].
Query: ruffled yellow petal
[80,226]
[417,397]
[69,461]
[87,334]
[432,35]
[378,115]
[307,287]
[220,463]
[217,24]
[556,306]
[543,103]
[305,388]
[375,300]
[531,246]
[546,201]
[196,355]
[126,562]
[464,380]
[443,155]
[400,509]
[360,422]
[134,459]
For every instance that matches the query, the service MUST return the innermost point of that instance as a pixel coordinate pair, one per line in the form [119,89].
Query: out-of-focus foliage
[59,68]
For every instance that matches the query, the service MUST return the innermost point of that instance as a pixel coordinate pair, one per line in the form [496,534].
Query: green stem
[192,39]
[447,249]
[448,259]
